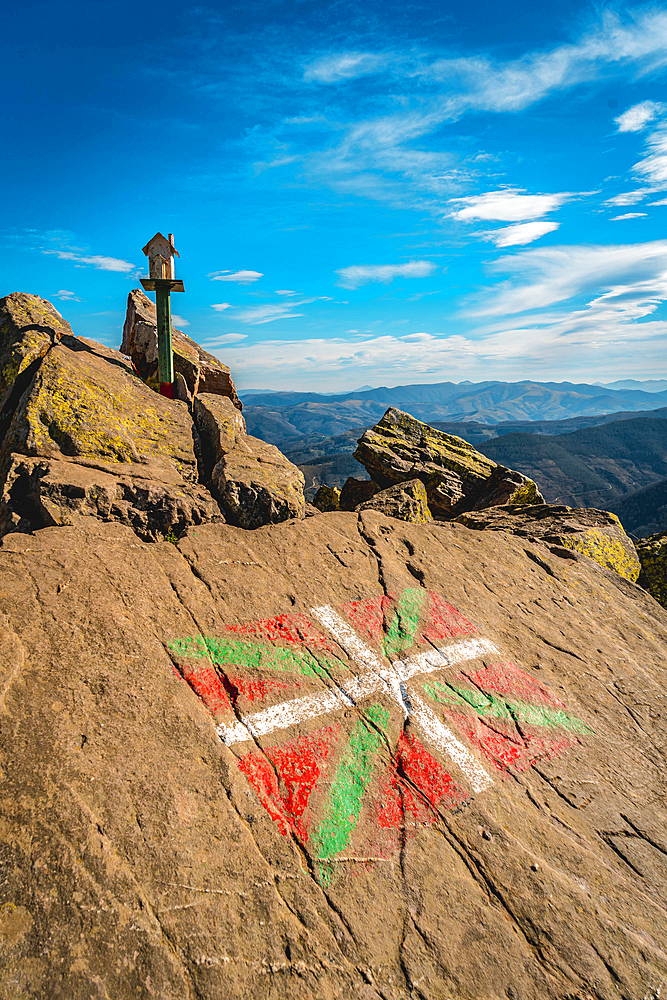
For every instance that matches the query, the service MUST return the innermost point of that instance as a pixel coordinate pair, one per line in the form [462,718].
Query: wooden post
[165,354]
[160,253]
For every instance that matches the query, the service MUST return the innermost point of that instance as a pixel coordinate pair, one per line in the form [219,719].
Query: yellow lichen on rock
[597,534]
[29,326]
[614,551]
[80,407]
[652,553]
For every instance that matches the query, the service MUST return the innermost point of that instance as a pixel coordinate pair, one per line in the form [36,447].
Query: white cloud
[221,306]
[241,277]
[257,315]
[632,278]
[519,235]
[628,215]
[285,291]
[344,66]
[637,117]
[179,321]
[609,331]
[66,296]
[227,338]
[510,205]
[628,197]
[377,158]
[101,263]
[363,274]
[653,168]
[663,201]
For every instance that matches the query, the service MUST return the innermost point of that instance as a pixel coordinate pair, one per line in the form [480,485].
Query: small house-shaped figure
[160,253]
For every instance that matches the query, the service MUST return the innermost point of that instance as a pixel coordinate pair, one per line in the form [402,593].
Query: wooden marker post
[161,280]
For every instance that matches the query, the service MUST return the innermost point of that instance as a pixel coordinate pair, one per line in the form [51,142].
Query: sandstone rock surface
[202,372]
[594,533]
[211,787]
[457,477]
[405,501]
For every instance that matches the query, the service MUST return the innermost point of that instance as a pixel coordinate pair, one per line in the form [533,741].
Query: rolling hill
[282,418]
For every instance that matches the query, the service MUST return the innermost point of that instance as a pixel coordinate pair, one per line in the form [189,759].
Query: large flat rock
[341,757]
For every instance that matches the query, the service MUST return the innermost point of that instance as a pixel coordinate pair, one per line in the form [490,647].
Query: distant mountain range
[284,417]
[592,467]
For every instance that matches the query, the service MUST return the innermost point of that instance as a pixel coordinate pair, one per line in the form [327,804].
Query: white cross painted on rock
[376,678]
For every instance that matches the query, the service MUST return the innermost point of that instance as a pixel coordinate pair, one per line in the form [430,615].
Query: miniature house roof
[160,245]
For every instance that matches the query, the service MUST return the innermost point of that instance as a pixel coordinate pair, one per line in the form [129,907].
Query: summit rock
[457,477]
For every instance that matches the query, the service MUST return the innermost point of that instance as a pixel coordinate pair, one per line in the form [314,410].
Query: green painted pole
[165,356]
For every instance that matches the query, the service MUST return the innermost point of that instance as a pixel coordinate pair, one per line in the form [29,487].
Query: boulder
[220,427]
[29,326]
[240,767]
[89,437]
[652,553]
[255,484]
[406,501]
[202,371]
[457,477]
[594,533]
[327,499]
[356,491]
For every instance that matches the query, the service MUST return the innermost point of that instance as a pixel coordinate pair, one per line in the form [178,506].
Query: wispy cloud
[630,279]
[519,235]
[628,215]
[628,197]
[377,157]
[285,291]
[653,167]
[66,296]
[258,315]
[344,66]
[227,338]
[221,306]
[241,277]
[363,274]
[179,321]
[584,308]
[509,205]
[637,117]
[97,261]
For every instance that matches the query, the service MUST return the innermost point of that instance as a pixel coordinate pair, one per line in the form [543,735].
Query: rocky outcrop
[201,371]
[344,757]
[405,501]
[457,477]
[82,435]
[87,436]
[652,553]
[594,533]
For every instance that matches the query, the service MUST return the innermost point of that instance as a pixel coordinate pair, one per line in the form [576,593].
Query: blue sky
[361,193]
